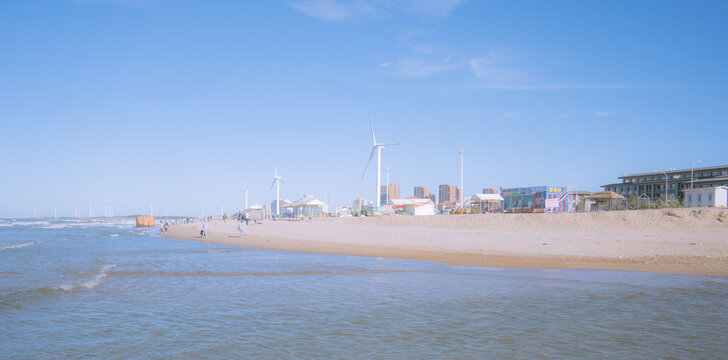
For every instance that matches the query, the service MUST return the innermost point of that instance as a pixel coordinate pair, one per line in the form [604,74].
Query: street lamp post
[387,190]
[666,203]
[691,172]
[569,190]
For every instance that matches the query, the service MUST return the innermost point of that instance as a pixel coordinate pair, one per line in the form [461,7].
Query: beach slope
[681,241]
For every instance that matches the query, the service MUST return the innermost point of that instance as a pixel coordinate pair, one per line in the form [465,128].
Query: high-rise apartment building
[361,203]
[392,190]
[447,193]
[421,192]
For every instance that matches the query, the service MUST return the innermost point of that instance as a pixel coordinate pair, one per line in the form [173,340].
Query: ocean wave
[91,283]
[18,246]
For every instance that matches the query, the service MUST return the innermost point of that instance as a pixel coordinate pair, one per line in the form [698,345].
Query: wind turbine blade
[371,155]
[272,184]
[388,144]
[374,139]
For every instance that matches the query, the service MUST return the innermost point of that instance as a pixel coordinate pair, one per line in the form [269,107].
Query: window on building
[690,198]
[699,198]
[710,197]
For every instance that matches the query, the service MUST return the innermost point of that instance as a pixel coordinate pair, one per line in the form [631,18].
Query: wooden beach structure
[605,201]
[145,221]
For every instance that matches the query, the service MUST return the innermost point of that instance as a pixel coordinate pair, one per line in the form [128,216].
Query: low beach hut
[307,207]
[257,212]
[486,202]
[605,201]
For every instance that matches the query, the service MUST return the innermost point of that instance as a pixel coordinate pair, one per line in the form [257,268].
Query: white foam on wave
[89,283]
[18,246]
[113,235]
[31,223]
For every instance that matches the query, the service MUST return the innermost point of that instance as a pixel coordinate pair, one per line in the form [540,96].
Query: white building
[415,206]
[707,196]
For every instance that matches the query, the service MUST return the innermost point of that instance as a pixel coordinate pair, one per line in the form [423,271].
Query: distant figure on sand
[204,229]
[246,216]
[241,228]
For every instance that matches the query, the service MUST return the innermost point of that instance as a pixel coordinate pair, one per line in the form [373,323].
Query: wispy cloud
[564,115]
[342,10]
[326,9]
[121,2]
[413,68]
[604,113]
[493,69]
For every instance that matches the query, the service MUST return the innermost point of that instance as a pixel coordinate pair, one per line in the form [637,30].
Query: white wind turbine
[277,182]
[378,147]
[245,190]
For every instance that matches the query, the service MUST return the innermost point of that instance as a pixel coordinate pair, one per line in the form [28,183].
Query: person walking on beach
[204,229]
[246,216]
[241,229]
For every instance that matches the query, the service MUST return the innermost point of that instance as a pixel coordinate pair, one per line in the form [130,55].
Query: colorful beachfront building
[535,199]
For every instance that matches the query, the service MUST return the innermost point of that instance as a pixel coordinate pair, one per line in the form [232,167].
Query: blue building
[535,199]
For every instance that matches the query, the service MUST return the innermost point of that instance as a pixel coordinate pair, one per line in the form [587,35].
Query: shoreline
[649,241]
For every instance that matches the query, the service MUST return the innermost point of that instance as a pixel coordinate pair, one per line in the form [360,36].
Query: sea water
[104,289]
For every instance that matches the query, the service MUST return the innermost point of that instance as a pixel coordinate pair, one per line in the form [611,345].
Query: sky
[179,103]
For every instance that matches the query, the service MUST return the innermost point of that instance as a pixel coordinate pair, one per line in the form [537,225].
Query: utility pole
[462,190]
[387,190]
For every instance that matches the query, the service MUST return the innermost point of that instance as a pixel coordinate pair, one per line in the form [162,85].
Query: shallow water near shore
[102,288]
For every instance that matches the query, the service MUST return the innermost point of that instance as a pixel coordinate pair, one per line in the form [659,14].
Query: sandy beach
[680,241]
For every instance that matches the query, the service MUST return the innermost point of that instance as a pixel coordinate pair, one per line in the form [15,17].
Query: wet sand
[680,241]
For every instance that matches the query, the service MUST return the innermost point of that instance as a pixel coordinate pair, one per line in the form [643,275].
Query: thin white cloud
[325,9]
[386,65]
[604,113]
[414,68]
[511,115]
[342,10]
[122,2]
[493,70]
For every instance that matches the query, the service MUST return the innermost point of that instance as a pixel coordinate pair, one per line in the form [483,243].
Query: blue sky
[178,103]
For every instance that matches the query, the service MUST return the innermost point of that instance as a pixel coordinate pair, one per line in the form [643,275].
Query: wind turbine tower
[277,182]
[378,148]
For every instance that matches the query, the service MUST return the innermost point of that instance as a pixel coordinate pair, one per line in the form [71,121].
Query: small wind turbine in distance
[245,190]
[277,182]
[378,148]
